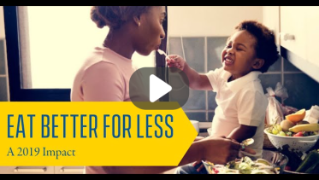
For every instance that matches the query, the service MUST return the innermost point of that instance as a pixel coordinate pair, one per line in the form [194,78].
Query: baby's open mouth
[228,60]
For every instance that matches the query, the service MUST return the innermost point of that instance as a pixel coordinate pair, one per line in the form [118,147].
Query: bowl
[278,160]
[302,144]
[195,123]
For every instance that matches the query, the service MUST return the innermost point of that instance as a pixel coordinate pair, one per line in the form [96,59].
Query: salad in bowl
[270,163]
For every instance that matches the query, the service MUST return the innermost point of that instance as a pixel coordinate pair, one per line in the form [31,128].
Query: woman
[106,73]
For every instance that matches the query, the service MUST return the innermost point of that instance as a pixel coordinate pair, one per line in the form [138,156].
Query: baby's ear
[258,63]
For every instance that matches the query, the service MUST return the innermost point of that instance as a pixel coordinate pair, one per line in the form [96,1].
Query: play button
[158,88]
[148,87]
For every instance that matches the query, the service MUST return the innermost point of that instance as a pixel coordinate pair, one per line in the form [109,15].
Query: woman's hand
[222,150]
[200,162]
[175,61]
[200,167]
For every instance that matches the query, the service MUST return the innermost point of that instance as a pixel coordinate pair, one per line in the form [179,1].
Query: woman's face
[150,31]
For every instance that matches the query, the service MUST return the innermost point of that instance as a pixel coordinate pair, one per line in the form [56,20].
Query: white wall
[209,20]
[1,23]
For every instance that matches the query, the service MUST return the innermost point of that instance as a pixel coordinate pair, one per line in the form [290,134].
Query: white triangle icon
[158,88]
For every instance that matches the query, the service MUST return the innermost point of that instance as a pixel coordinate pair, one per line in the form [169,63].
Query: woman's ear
[137,20]
[258,63]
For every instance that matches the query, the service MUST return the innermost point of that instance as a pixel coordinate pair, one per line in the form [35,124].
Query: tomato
[215,170]
[299,134]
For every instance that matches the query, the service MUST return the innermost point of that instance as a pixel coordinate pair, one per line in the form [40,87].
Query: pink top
[104,76]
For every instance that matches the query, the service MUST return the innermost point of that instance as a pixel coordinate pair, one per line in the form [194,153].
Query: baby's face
[238,55]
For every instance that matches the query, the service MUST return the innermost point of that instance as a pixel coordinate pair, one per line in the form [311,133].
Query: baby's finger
[169,60]
[172,57]
[171,64]
[177,60]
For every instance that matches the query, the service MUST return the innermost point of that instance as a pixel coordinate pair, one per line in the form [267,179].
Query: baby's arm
[196,81]
[251,110]
[243,132]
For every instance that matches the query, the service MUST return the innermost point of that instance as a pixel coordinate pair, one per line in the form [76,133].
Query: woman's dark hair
[115,16]
[265,46]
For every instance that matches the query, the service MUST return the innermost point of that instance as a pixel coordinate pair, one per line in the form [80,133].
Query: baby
[241,103]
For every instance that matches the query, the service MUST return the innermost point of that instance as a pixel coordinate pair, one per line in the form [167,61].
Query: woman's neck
[120,42]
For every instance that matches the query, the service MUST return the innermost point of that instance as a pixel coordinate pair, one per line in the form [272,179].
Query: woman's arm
[198,138]
[218,151]
[194,153]
[103,82]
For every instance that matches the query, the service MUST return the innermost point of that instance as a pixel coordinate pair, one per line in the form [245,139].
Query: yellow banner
[92,134]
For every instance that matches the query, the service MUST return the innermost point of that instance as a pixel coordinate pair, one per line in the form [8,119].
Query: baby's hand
[176,61]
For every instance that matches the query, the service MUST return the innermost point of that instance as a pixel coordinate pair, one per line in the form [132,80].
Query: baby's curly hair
[265,47]
[115,16]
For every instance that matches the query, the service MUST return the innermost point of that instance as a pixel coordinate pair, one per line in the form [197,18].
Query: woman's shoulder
[95,59]
[102,68]
[103,61]
[95,64]
[102,57]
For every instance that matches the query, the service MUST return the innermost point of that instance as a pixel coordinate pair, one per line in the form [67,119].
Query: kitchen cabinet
[293,29]
[27,170]
[299,36]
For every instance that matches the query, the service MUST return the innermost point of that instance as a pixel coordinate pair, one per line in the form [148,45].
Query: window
[46,46]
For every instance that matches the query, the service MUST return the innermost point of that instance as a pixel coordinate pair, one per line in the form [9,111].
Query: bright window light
[59,40]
